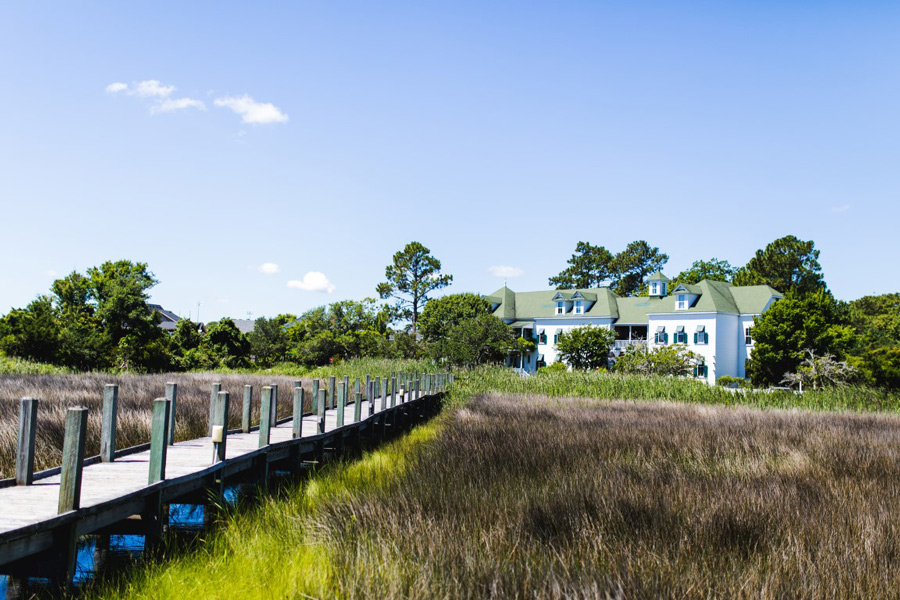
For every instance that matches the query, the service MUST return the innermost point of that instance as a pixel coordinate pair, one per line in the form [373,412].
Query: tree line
[101,320]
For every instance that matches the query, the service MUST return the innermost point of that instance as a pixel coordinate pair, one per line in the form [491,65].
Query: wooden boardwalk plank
[23,506]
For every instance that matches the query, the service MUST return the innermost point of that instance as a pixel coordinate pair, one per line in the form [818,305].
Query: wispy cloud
[268,268]
[313,281]
[505,271]
[252,111]
[158,93]
[178,104]
[839,208]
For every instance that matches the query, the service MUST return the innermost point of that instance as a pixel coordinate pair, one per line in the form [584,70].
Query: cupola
[657,285]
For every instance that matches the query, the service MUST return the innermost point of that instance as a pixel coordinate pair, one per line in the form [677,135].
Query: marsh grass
[136,394]
[532,497]
[517,496]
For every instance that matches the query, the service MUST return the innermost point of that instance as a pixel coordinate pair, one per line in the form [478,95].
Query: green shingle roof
[658,276]
[711,296]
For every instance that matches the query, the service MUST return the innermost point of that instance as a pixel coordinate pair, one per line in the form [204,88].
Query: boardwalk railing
[43,514]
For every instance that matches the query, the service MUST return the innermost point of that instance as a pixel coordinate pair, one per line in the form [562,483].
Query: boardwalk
[113,491]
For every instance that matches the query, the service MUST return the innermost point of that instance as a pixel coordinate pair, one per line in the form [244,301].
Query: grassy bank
[611,386]
[282,548]
[529,496]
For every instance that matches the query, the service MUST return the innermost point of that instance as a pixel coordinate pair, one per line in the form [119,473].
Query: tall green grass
[613,386]
[10,365]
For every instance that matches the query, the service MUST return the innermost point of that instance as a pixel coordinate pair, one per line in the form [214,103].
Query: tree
[794,325]
[31,333]
[674,360]
[633,265]
[225,345]
[413,274]
[585,348]
[475,341]
[877,321]
[788,265]
[881,366]
[344,329]
[268,340]
[442,314]
[589,267]
[713,270]
[820,371]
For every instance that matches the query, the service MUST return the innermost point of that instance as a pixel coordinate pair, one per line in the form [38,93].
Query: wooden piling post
[370,394]
[298,412]
[213,394]
[246,408]
[342,402]
[25,450]
[357,407]
[332,386]
[320,417]
[265,420]
[73,459]
[159,434]
[172,397]
[393,391]
[315,394]
[274,416]
[108,423]
[220,426]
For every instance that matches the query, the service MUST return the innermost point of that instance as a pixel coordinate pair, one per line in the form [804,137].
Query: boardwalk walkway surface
[31,525]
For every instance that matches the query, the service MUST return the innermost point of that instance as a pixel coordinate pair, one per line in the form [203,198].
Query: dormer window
[681,303]
[654,289]
[560,308]
[579,307]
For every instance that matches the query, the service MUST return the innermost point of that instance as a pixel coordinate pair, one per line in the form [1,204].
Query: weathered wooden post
[298,412]
[220,427]
[72,459]
[213,394]
[25,450]
[342,402]
[346,385]
[370,393]
[159,433]
[108,423]
[357,407]
[320,418]
[315,393]
[172,397]
[246,408]
[393,391]
[265,419]
[274,416]
[368,387]
[332,386]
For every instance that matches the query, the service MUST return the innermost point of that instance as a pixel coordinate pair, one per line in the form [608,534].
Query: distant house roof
[244,325]
[712,296]
[167,319]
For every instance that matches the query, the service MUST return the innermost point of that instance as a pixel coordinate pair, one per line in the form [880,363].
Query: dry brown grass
[136,395]
[530,497]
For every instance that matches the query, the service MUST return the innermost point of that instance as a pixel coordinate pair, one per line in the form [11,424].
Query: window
[680,335]
[682,303]
[560,307]
[653,289]
[701,370]
[579,307]
[556,337]
[542,337]
[660,336]
[700,336]
[748,336]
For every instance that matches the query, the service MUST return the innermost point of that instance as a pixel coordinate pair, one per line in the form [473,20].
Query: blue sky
[320,137]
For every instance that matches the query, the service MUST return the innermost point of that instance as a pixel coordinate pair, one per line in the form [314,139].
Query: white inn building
[713,319]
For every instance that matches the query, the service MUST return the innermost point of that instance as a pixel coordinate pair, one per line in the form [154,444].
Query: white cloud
[116,87]
[177,104]
[252,111]
[268,268]
[505,271]
[313,281]
[151,88]
[839,209]
[51,273]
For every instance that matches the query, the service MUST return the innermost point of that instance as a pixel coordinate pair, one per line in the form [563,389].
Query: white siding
[564,323]
[744,351]
[690,321]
